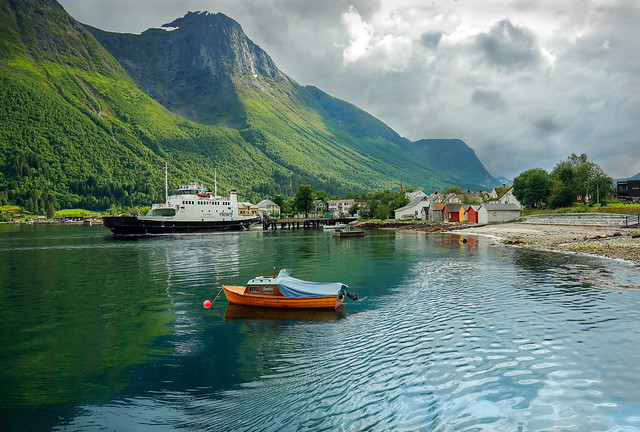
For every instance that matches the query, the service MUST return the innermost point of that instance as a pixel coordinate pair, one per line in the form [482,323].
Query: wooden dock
[304,223]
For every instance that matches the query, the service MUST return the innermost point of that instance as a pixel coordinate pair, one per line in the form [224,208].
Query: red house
[452,212]
[471,213]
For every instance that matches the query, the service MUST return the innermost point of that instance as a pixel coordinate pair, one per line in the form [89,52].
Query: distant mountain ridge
[456,158]
[81,133]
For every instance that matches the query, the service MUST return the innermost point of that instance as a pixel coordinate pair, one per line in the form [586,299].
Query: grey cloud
[547,125]
[488,98]
[430,40]
[508,46]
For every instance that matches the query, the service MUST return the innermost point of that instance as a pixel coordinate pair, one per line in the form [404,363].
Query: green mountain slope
[457,159]
[211,72]
[78,131]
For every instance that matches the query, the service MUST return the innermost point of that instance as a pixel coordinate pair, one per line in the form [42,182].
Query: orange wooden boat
[285,291]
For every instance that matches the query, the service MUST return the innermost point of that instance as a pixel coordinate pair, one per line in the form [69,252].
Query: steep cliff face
[189,64]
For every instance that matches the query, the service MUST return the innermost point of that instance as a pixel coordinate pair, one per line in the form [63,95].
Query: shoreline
[601,241]
[595,240]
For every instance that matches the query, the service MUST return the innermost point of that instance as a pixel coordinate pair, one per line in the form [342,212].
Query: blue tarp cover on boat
[292,287]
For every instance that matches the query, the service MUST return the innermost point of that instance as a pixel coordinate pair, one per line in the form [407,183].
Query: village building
[628,189]
[436,212]
[414,194]
[247,209]
[471,213]
[268,208]
[451,212]
[319,206]
[340,208]
[494,212]
[509,198]
[418,208]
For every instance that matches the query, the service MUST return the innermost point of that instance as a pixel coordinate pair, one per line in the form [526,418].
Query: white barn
[418,208]
[493,212]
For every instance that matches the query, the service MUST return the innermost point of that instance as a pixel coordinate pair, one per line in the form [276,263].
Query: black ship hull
[131,225]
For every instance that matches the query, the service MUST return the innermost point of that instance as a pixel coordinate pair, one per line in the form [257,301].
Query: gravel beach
[610,242]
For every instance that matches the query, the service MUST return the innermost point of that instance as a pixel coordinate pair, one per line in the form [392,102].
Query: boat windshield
[166,212]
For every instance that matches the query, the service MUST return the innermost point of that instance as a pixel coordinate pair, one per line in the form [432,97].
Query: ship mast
[215,179]
[166,184]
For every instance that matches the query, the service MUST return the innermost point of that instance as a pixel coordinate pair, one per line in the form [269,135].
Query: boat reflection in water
[241,312]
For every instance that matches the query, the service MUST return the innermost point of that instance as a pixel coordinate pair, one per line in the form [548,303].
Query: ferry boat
[193,209]
[287,292]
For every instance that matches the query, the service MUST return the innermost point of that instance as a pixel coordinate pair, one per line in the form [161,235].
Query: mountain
[296,126]
[200,66]
[456,158]
[189,65]
[78,131]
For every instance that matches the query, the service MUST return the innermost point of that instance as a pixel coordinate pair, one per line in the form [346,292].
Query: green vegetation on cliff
[78,132]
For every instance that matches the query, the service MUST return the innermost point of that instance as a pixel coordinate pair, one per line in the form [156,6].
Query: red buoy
[207,304]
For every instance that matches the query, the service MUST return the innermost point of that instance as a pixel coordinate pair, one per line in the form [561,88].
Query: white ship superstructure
[193,209]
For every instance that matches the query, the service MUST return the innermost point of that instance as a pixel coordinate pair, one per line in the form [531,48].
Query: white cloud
[376,49]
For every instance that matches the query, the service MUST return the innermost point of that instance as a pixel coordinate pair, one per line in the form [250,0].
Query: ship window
[267,290]
[254,290]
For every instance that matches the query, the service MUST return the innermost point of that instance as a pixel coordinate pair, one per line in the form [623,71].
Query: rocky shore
[610,242]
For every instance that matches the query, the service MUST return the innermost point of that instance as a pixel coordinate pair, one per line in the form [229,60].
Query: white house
[494,212]
[267,208]
[414,194]
[340,208]
[418,208]
[509,198]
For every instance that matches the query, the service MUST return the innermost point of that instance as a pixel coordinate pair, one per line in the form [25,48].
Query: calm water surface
[100,334]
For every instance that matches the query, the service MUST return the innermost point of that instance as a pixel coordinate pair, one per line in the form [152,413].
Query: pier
[304,223]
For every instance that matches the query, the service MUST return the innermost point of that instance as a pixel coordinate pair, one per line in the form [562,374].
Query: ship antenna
[166,184]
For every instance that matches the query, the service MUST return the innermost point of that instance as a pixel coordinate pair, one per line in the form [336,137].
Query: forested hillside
[78,132]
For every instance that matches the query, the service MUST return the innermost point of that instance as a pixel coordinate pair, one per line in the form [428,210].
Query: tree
[381,205]
[452,189]
[562,194]
[532,187]
[578,177]
[303,198]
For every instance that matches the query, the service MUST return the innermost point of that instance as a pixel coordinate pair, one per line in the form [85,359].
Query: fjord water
[107,334]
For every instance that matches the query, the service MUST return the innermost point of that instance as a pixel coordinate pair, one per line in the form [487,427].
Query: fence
[607,219]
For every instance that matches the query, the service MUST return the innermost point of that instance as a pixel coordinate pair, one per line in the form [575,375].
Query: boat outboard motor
[353,297]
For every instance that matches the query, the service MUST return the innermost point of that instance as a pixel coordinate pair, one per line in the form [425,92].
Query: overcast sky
[525,83]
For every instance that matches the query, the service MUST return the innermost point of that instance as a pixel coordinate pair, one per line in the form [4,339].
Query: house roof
[453,207]
[438,206]
[266,203]
[500,191]
[414,202]
[495,206]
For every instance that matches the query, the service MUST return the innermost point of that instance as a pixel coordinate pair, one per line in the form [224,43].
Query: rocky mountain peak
[189,65]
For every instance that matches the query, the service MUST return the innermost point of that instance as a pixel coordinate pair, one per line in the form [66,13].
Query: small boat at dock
[348,232]
[284,291]
[334,227]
